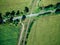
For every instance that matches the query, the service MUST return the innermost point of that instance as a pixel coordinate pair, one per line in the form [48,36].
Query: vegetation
[7,14]
[45,31]
[23,17]
[16,22]
[49,7]
[18,12]
[58,5]
[11,19]
[13,13]
[9,5]
[9,34]
[44,3]
[26,9]
[1,19]
[57,11]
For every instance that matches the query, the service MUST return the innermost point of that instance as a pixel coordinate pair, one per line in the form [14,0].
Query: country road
[27,16]
[32,15]
[21,35]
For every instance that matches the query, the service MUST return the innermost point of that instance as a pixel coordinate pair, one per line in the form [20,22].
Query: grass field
[47,27]
[9,34]
[45,31]
[9,5]
[47,2]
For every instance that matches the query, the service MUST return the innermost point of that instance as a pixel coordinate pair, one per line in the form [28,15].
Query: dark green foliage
[21,13]
[23,17]
[29,29]
[11,19]
[16,21]
[57,11]
[7,14]
[26,9]
[13,13]
[40,8]
[49,6]
[18,12]
[1,19]
[58,5]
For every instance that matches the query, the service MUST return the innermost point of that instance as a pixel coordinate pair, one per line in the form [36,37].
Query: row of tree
[11,19]
[12,14]
[51,6]
[26,10]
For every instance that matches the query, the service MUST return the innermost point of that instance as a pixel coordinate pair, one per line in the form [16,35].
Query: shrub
[7,14]
[16,21]
[57,11]
[49,7]
[18,12]
[11,19]
[1,19]
[58,5]
[23,17]
[26,9]
[13,13]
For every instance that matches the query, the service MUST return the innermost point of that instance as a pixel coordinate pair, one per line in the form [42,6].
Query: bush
[49,7]
[23,17]
[26,9]
[13,13]
[11,19]
[58,5]
[7,14]
[1,19]
[57,11]
[16,21]
[18,12]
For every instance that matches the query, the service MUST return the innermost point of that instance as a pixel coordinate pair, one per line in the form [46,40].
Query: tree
[40,8]
[57,11]
[13,13]
[18,12]
[26,9]
[21,12]
[58,5]
[7,14]
[11,19]
[49,7]
[1,19]
[23,17]
[16,21]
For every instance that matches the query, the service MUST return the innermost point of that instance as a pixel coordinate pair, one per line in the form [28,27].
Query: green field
[9,5]
[47,2]
[9,34]
[45,31]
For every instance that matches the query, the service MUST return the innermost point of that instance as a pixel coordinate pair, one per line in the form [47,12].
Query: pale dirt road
[21,35]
